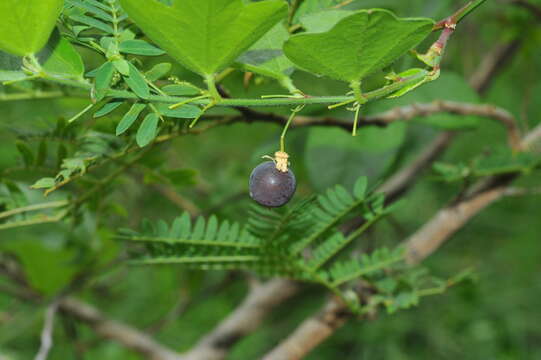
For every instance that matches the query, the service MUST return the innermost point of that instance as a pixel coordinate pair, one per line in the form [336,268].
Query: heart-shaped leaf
[205,35]
[27,24]
[358,45]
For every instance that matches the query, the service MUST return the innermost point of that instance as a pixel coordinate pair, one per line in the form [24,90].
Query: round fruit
[271,187]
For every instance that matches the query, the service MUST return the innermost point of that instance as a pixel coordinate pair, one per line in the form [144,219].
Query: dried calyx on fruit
[272,183]
[280,159]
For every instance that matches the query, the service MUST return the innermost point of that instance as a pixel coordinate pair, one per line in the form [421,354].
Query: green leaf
[108,108]
[266,56]
[182,89]
[137,82]
[10,67]
[323,20]
[59,57]
[148,130]
[205,35]
[183,112]
[47,268]
[359,189]
[44,183]
[139,47]
[86,5]
[158,71]
[130,117]
[122,66]
[90,21]
[358,45]
[423,76]
[104,75]
[503,160]
[26,25]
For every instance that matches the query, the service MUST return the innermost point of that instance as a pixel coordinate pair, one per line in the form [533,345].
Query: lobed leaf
[358,45]
[205,35]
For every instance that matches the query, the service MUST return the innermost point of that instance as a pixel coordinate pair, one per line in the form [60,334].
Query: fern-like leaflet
[303,242]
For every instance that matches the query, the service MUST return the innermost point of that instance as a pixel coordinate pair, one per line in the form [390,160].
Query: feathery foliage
[304,242]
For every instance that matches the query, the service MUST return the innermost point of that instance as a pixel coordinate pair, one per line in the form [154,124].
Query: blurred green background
[495,317]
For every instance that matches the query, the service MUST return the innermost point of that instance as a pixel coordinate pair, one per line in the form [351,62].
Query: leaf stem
[213,91]
[459,15]
[33,207]
[289,120]
[80,113]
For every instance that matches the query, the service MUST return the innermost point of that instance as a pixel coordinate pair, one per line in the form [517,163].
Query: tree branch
[47,332]
[243,320]
[404,113]
[110,329]
[493,63]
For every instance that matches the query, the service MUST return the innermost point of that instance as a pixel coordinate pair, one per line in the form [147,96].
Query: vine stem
[289,101]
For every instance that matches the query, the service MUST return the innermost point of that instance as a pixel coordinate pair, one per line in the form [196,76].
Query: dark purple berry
[271,187]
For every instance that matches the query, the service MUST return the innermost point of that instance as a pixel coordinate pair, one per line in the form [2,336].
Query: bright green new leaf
[27,24]
[358,45]
[148,130]
[43,183]
[205,35]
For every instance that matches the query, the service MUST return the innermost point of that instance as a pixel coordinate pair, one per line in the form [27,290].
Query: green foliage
[205,35]
[303,242]
[498,161]
[266,57]
[148,130]
[27,25]
[358,45]
[57,58]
